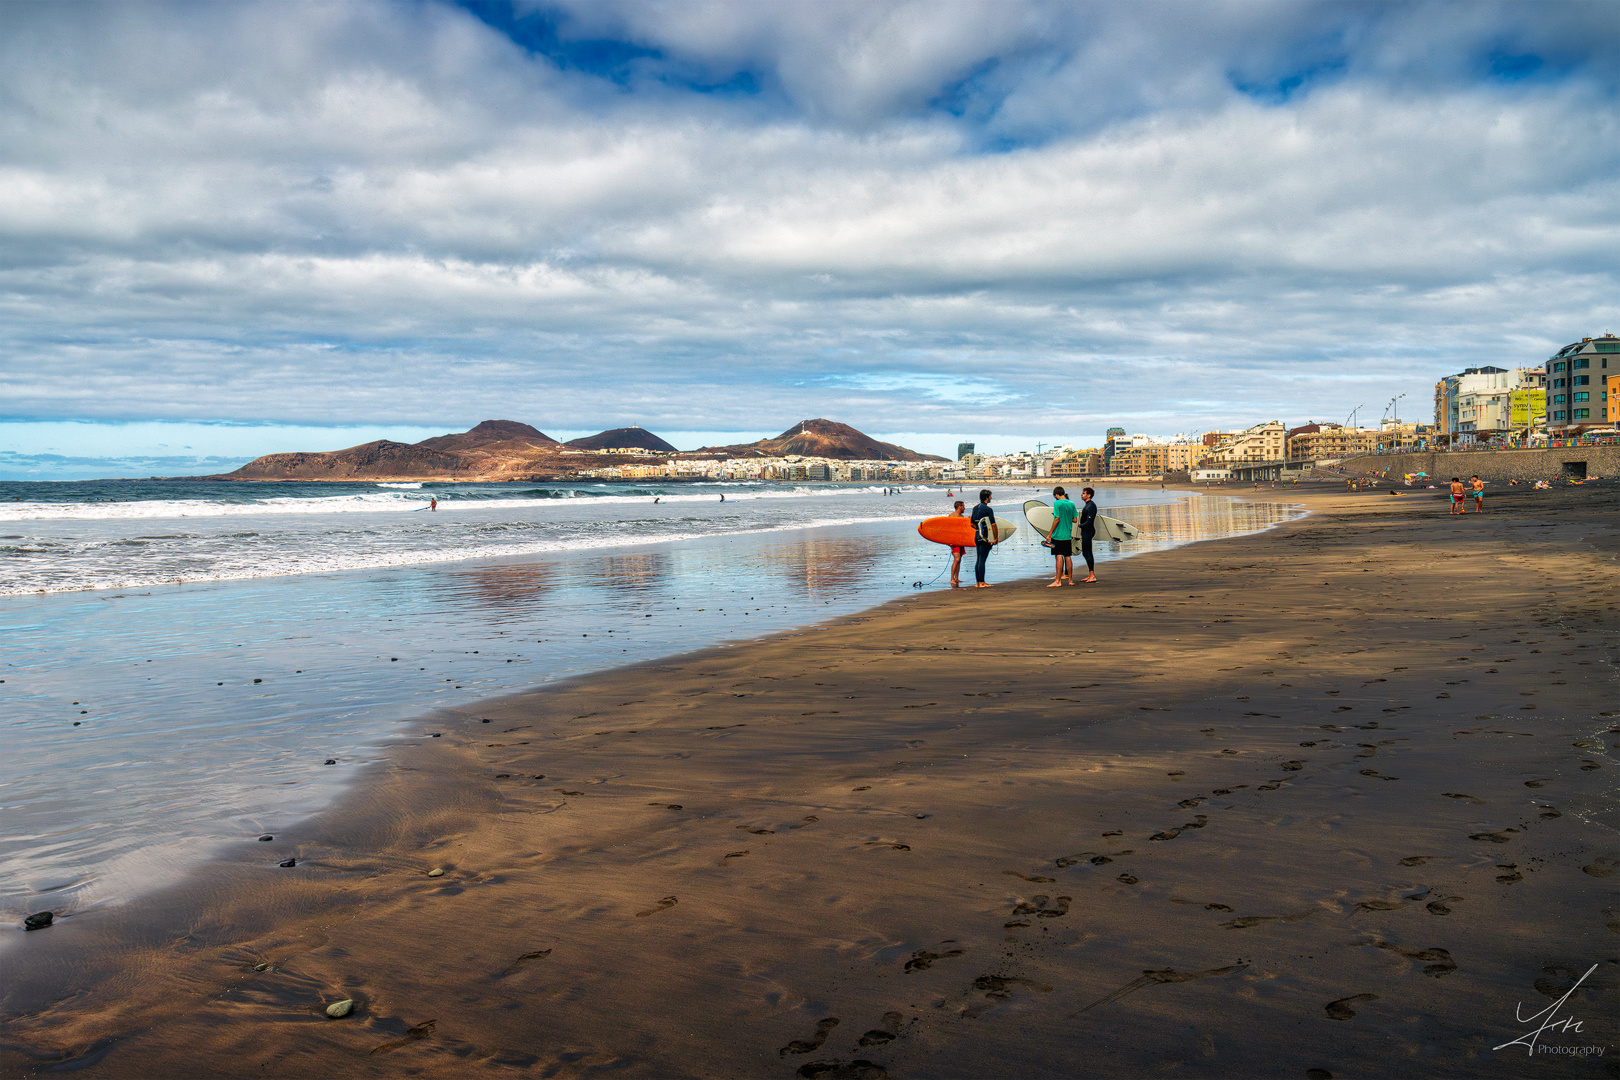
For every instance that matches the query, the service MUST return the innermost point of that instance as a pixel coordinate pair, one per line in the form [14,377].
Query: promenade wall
[1492,465]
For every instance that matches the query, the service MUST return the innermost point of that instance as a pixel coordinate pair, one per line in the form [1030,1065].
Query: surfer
[656,501]
[722,498]
[1088,530]
[984,531]
[1063,515]
[958,510]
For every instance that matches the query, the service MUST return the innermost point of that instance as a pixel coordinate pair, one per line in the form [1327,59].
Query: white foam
[375,502]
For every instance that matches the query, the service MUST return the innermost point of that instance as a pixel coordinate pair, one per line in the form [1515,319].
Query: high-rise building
[963,449]
[1577,376]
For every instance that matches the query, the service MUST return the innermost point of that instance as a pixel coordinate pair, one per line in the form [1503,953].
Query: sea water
[182,659]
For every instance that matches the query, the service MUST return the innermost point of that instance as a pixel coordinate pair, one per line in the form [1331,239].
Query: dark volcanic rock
[624,437]
[38,921]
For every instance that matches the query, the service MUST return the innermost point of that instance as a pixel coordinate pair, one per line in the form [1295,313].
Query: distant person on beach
[722,498]
[1088,530]
[1479,494]
[656,501]
[433,504]
[1063,516]
[957,510]
[1457,506]
[984,534]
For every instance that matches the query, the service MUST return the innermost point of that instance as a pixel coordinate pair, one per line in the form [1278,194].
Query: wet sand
[1336,797]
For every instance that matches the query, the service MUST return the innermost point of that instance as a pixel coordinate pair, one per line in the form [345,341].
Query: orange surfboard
[958,531]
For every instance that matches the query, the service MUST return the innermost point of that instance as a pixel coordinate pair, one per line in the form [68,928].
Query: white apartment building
[1256,445]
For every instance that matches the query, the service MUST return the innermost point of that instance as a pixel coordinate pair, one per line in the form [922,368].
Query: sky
[227,229]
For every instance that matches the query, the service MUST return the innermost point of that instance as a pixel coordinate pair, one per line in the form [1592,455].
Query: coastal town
[1573,395]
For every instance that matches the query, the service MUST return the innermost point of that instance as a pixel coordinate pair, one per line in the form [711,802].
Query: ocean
[194,663]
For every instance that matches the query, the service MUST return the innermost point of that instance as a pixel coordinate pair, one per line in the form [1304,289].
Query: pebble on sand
[38,921]
[437,871]
[266,836]
[340,1008]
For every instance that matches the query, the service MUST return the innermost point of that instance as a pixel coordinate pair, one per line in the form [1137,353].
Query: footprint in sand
[667,806]
[1026,877]
[804,1046]
[1188,804]
[888,844]
[1601,867]
[1255,920]
[412,1034]
[663,905]
[538,954]
[1549,812]
[887,1033]
[1037,906]
[1200,903]
[1441,906]
[923,959]
[1116,832]
[1341,1010]
[1493,837]
[1438,961]
[1129,879]
[1421,860]
[757,832]
[810,819]
[859,1069]
[1464,798]
[736,854]
[1512,874]
[1154,977]
[1391,905]
[1538,783]
[1000,988]
[1376,775]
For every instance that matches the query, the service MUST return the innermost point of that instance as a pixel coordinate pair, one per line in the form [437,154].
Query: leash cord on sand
[925,584]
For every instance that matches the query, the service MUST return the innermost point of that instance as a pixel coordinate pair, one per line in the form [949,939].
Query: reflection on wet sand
[640,570]
[829,565]
[505,591]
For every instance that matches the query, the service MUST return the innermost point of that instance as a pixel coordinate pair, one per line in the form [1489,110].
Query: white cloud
[375,213]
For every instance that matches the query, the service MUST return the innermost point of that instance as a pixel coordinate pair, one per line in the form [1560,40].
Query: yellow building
[1611,398]
[1154,460]
[1319,442]
[1089,463]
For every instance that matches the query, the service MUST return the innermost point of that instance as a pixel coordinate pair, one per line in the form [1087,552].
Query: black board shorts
[1063,547]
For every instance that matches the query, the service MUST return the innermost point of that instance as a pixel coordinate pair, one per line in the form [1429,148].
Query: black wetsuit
[984,520]
[1088,530]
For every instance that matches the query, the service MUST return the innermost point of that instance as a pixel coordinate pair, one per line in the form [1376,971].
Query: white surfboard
[1041,520]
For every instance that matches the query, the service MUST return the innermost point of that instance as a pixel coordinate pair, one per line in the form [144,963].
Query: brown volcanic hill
[822,438]
[494,450]
[618,438]
[493,434]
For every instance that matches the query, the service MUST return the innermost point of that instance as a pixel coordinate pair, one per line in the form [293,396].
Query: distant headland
[497,450]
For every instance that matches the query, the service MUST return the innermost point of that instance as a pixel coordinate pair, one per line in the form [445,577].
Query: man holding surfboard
[1062,539]
[984,537]
[1088,529]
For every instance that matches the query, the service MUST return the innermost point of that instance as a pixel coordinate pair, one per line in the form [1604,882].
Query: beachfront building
[1329,442]
[1611,399]
[1258,445]
[1081,465]
[1577,382]
[1484,404]
[1154,458]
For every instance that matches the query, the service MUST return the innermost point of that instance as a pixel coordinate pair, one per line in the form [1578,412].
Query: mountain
[821,438]
[620,438]
[494,450]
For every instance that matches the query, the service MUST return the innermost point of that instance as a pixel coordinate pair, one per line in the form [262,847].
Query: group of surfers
[1065,518]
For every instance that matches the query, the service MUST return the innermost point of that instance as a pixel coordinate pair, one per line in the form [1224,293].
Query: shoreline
[890,845]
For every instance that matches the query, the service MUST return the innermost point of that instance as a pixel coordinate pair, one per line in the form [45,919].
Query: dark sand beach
[1332,800]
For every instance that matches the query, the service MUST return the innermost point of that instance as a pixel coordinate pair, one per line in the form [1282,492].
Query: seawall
[1494,465]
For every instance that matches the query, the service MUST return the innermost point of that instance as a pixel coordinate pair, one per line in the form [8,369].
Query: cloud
[997,217]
